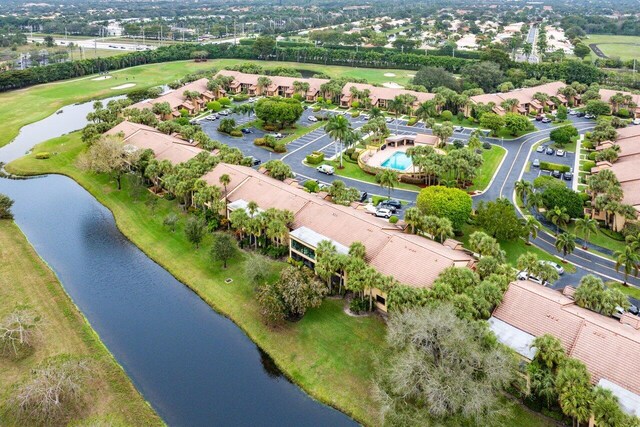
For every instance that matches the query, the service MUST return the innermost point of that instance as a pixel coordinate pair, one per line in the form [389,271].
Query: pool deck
[379,157]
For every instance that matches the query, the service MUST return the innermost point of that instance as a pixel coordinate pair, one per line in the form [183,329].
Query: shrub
[393,219]
[460,116]
[214,106]
[588,145]
[312,186]
[458,144]
[548,166]
[297,97]
[586,166]
[269,128]
[317,108]
[240,97]
[623,113]
[315,158]
[446,115]
[631,229]
[354,156]
[412,121]
[236,133]
[355,104]
[563,197]
[451,203]
[355,114]
[592,156]
[259,142]
[486,145]
[279,147]
[358,306]
[43,155]
[224,101]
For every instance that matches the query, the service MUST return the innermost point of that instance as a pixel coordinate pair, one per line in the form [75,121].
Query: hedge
[586,166]
[554,167]
[412,121]
[315,158]
[43,155]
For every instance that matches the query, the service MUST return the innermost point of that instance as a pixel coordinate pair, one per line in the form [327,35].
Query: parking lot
[567,159]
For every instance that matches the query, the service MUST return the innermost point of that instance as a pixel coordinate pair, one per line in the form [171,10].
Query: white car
[383,213]
[389,119]
[328,169]
[560,153]
[636,121]
[523,275]
[312,119]
[572,112]
[559,269]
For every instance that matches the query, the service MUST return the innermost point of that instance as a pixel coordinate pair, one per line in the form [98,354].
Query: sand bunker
[124,86]
[101,78]
[389,75]
[411,75]
[392,85]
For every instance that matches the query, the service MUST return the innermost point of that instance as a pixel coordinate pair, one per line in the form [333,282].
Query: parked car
[589,116]
[536,163]
[556,174]
[363,196]
[254,161]
[364,117]
[211,118]
[246,130]
[568,176]
[559,269]
[560,153]
[389,119]
[396,204]
[523,275]
[539,118]
[458,129]
[383,213]
[573,112]
[636,121]
[546,120]
[550,151]
[581,114]
[312,119]
[328,169]
[276,135]
[633,310]
[541,148]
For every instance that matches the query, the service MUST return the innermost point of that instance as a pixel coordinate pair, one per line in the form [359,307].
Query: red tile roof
[609,348]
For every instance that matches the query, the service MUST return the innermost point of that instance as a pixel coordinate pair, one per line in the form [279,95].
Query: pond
[194,366]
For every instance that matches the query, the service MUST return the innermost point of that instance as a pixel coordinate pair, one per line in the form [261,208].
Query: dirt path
[594,47]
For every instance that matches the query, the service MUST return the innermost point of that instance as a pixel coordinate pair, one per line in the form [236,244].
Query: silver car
[559,269]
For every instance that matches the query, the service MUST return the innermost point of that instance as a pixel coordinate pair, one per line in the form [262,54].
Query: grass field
[492,159]
[624,47]
[26,279]
[328,353]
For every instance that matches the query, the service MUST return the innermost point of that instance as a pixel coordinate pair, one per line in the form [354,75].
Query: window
[381,300]
[304,250]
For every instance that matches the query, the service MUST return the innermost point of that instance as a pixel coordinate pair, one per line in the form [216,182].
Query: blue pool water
[398,161]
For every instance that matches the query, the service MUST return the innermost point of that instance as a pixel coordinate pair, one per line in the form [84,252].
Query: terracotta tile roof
[606,94]
[609,348]
[175,98]
[388,249]
[276,81]
[164,147]
[524,95]
[385,93]
[628,132]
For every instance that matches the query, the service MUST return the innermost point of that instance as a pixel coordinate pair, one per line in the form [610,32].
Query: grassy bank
[328,353]
[492,159]
[26,279]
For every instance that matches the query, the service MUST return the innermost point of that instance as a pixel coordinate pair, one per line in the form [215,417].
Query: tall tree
[388,179]
[338,128]
[565,243]
[224,248]
[586,226]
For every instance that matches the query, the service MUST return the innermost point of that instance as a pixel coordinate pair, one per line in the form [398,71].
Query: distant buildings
[526,99]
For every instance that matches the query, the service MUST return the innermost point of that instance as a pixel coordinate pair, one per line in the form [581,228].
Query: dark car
[555,174]
[550,151]
[363,196]
[568,176]
[581,114]
[391,202]
[246,130]
[633,310]
[539,117]
[255,161]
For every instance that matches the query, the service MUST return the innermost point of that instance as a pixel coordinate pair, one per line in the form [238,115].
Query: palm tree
[559,217]
[326,261]
[375,112]
[535,200]
[474,143]
[443,132]
[565,243]
[387,179]
[509,104]
[523,189]
[628,258]
[528,262]
[531,227]
[443,229]
[338,128]
[263,82]
[549,351]
[586,226]
[225,180]
[398,106]
[414,219]
[633,240]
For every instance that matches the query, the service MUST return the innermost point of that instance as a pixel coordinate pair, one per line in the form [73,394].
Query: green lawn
[492,159]
[624,47]
[627,290]
[329,354]
[111,398]
[601,239]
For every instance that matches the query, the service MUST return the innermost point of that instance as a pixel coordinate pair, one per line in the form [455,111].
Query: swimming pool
[398,161]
